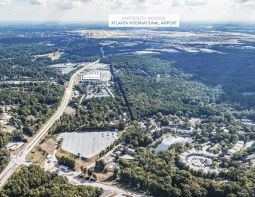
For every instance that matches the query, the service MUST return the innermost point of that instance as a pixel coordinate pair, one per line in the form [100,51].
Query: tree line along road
[21,157]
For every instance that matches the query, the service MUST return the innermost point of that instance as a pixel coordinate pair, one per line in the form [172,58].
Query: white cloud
[195,2]
[62,4]
[248,2]
[4,2]
[39,2]
[98,10]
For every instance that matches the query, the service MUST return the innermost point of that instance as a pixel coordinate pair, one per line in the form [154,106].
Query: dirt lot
[37,156]
[7,128]
[104,177]
[69,110]
[39,153]
[48,146]
[53,56]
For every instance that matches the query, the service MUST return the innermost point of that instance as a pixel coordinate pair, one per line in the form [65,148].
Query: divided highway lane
[21,157]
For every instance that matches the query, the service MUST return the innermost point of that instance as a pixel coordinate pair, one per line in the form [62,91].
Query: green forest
[93,113]
[153,96]
[157,174]
[17,62]
[32,104]
[33,181]
[233,71]
[151,85]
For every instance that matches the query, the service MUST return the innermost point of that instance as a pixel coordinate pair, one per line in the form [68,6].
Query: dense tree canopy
[93,113]
[32,104]
[151,85]
[157,174]
[34,181]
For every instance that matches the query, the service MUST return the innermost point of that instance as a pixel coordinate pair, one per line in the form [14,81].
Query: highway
[21,157]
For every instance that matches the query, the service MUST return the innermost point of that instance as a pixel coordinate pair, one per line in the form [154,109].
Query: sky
[69,11]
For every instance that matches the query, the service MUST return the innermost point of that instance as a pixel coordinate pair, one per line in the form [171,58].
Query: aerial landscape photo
[127,98]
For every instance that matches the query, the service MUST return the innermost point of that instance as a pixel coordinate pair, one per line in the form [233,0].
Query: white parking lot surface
[87,144]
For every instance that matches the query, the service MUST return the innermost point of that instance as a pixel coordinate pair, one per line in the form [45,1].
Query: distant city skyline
[215,11]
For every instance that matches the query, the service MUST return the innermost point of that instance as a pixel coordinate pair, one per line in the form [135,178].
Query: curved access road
[21,157]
